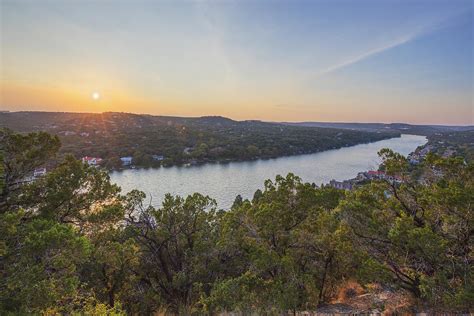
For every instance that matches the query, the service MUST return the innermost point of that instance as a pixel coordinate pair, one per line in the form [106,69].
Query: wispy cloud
[365,55]
[395,43]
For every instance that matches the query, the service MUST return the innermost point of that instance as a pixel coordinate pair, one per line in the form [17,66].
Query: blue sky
[365,61]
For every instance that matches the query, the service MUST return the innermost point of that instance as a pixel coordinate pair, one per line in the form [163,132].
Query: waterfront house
[158,157]
[126,161]
[91,161]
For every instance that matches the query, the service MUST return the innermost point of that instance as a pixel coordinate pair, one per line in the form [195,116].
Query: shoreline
[245,178]
[196,163]
[363,176]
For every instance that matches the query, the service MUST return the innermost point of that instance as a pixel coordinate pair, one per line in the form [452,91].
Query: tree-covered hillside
[453,144]
[425,130]
[179,140]
[72,244]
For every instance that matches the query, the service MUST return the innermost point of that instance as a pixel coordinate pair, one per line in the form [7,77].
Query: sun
[95,95]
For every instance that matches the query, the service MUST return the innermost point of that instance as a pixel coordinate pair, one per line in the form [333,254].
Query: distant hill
[424,130]
[181,140]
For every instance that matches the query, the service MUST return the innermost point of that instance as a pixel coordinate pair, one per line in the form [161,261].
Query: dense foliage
[180,140]
[425,130]
[457,143]
[70,243]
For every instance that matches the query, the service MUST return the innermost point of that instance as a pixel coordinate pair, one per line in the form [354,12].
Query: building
[344,185]
[126,161]
[361,176]
[91,161]
[39,172]
[380,175]
[373,174]
[158,157]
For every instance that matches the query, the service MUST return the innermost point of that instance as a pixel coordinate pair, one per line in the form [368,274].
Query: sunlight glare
[96,96]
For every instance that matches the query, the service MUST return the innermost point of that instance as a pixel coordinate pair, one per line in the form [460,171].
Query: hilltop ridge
[417,129]
[165,140]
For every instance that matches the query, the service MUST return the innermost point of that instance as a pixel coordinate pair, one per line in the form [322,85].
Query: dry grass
[348,290]
[373,297]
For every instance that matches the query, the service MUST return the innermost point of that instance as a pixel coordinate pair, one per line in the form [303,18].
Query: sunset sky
[364,61]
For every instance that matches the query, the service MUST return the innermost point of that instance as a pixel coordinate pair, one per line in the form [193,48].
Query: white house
[91,161]
[126,161]
[39,172]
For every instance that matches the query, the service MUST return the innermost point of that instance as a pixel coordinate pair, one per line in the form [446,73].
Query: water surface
[225,181]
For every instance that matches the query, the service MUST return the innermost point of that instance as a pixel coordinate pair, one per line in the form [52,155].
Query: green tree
[287,245]
[39,266]
[113,163]
[21,154]
[74,193]
[201,150]
[420,230]
[253,151]
[43,226]
[178,256]
[110,270]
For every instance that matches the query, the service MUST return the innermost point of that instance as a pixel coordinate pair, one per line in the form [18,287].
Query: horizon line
[230,118]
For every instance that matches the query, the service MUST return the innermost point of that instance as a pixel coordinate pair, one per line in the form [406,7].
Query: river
[224,181]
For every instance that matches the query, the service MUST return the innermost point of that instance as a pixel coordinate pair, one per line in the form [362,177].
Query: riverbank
[190,161]
[224,181]
[363,177]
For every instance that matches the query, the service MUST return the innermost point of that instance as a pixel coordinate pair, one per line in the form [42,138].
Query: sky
[332,60]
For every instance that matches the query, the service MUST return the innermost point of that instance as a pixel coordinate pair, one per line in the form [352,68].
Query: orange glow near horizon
[55,98]
[51,99]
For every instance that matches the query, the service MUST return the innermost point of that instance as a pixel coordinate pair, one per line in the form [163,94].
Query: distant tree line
[71,243]
[180,140]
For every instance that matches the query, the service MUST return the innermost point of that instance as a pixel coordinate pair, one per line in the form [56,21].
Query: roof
[373,172]
[87,158]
